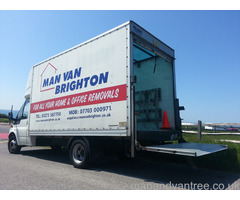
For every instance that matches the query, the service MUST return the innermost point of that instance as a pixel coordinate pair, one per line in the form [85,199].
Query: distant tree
[3,116]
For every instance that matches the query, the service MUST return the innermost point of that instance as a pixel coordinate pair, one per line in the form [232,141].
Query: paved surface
[4,135]
[4,129]
[41,168]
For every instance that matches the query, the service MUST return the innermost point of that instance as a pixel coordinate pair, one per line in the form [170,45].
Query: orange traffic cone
[165,124]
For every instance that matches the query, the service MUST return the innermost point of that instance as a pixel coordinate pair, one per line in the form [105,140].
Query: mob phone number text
[90,110]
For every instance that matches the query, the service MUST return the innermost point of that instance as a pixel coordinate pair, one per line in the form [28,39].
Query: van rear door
[154,94]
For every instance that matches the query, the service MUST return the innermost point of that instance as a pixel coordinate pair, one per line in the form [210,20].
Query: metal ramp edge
[186,149]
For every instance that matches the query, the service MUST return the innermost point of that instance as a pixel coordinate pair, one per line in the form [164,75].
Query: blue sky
[206,44]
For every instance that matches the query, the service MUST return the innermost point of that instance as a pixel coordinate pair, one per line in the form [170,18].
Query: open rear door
[154,98]
[186,149]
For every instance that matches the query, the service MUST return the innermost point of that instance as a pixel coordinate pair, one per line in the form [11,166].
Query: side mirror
[10,116]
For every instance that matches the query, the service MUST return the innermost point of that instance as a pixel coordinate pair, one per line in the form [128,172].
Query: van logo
[69,80]
[46,82]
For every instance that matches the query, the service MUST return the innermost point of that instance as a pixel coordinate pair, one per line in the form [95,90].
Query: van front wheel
[79,154]
[13,146]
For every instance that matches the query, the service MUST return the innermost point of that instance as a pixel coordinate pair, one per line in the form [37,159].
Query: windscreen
[154,93]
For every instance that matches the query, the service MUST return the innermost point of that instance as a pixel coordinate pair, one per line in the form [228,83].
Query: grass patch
[4,120]
[192,137]
[227,160]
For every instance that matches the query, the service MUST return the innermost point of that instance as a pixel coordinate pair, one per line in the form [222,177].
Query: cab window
[23,112]
[26,110]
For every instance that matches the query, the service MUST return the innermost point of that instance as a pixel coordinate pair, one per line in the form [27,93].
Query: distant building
[216,128]
[223,126]
[188,124]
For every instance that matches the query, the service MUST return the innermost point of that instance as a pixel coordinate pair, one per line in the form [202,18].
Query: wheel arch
[72,139]
[14,134]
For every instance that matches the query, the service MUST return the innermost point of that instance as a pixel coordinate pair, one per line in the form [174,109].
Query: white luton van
[115,91]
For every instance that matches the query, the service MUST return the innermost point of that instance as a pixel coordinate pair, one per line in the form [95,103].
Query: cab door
[22,123]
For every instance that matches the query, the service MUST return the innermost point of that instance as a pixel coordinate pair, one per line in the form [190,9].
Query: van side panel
[83,90]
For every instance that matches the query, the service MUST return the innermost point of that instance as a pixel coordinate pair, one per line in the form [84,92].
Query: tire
[13,146]
[79,154]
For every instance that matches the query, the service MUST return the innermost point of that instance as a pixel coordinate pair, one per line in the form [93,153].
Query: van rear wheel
[13,146]
[79,154]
